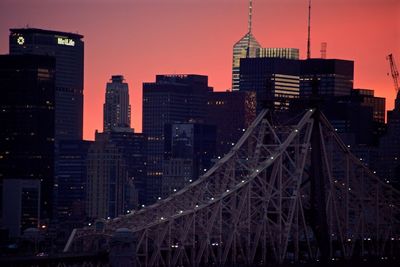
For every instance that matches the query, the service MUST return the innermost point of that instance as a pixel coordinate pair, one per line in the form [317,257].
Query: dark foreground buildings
[27,135]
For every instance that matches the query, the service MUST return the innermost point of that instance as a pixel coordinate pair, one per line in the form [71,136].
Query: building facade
[335,77]
[68,49]
[276,81]
[171,98]
[27,124]
[107,175]
[232,113]
[189,149]
[116,109]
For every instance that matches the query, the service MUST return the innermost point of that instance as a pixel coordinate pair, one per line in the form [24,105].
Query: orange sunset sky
[142,38]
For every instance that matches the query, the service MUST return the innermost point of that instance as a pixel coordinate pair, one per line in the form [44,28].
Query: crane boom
[394,72]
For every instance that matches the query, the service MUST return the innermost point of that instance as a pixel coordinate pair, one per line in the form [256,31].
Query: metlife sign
[65,41]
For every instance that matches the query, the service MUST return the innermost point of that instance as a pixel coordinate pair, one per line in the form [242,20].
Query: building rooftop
[49,32]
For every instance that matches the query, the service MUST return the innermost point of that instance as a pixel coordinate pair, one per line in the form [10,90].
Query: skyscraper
[246,47]
[171,98]
[275,81]
[335,77]
[27,126]
[117,111]
[67,48]
[249,47]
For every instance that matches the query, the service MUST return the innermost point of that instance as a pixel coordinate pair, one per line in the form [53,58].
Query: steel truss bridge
[286,192]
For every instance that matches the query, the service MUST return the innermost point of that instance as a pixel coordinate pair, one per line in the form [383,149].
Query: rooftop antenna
[309,30]
[249,27]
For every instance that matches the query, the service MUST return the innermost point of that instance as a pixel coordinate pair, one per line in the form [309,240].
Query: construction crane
[394,72]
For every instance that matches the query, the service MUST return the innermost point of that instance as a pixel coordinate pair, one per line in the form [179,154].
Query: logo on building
[20,40]
[65,41]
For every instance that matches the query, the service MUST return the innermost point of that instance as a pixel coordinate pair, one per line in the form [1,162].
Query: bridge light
[174,189]
[197,206]
[190,180]
[181,211]
[257,170]
[143,206]
[89,224]
[242,181]
[349,240]
[159,198]
[162,218]
[212,198]
[227,190]
[272,157]
[296,130]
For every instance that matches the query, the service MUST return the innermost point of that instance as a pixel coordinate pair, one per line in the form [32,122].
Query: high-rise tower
[67,48]
[117,111]
[246,47]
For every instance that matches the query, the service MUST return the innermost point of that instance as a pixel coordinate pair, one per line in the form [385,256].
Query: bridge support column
[123,249]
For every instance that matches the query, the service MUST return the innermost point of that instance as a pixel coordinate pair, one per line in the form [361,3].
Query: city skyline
[140,39]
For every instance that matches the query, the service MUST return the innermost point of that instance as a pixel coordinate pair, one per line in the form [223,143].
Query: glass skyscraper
[68,49]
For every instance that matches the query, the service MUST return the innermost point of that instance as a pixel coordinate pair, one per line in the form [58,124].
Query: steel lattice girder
[253,205]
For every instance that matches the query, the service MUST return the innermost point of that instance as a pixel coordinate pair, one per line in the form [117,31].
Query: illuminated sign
[65,41]
[20,40]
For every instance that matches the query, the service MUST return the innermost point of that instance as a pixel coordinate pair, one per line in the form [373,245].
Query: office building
[171,98]
[67,48]
[133,148]
[22,205]
[367,98]
[274,80]
[232,113]
[117,111]
[288,53]
[27,124]
[335,77]
[71,183]
[107,176]
[246,47]
[189,148]
[389,147]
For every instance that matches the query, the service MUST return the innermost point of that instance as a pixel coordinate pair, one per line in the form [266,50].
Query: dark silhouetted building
[171,98]
[68,49]
[27,126]
[274,80]
[71,183]
[107,176]
[188,153]
[232,113]
[367,98]
[22,205]
[335,77]
[389,147]
[116,174]
[117,111]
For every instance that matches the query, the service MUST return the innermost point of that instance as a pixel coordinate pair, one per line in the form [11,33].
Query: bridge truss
[286,192]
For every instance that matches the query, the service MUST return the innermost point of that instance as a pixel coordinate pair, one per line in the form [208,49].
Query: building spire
[309,31]
[250,14]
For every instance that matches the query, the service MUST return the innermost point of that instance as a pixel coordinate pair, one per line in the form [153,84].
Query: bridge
[287,192]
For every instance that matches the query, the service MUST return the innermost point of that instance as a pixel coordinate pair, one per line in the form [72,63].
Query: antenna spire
[309,31]
[250,14]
